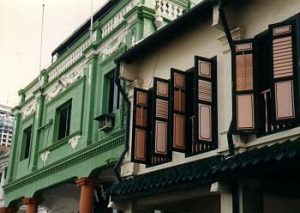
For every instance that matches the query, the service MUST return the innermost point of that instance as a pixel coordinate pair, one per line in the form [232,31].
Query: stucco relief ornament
[70,78]
[44,156]
[54,91]
[29,109]
[159,22]
[64,82]
[113,45]
[74,141]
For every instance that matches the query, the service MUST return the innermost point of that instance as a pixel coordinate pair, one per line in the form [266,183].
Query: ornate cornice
[90,151]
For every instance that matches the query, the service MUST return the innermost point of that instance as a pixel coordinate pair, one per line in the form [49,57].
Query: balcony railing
[68,61]
[267,126]
[168,9]
[117,19]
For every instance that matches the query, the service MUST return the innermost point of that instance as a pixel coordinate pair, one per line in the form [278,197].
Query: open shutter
[161,150]
[178,109]
[284,73]
[203,120]
[140,126]
[244,87]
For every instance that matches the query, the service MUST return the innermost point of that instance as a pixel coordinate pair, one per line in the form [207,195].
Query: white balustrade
[117,19]
[71,59]
[168,9]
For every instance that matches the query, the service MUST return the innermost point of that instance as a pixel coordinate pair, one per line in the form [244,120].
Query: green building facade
[56,138]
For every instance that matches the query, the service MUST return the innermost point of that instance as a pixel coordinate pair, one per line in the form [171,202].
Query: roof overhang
[278,160]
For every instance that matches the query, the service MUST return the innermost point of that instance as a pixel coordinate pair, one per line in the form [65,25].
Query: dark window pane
[113,102]
[111,95]
[5,172]
[64,121]
[26,142]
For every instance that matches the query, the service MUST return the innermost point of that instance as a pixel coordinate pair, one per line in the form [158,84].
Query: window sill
[59,143]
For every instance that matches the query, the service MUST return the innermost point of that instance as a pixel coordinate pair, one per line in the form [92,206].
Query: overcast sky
[20,27]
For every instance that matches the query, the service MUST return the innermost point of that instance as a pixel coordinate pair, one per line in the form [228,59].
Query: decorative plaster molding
[159,22]
[64,82]
[54,91]
[114,43]
[71,77]
[237,34]
[29,109]
[136,83]
[44,156]
[73,142]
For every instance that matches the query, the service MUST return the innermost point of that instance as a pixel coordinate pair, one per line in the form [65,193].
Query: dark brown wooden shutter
[284,73]
[160,143]
[140,132]
[178,109]
[203,106]
[244,87]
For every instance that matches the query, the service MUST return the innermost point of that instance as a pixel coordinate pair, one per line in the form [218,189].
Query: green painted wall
[89,96]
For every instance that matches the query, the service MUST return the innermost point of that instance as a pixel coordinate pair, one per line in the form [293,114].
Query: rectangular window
[113,99]
[5,172]
[244,88]
[266,80]
[27,137]
[64,120]
[202,106]
[140,139]
[176,115]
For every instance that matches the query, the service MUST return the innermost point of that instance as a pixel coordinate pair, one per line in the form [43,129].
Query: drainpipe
[124,95]
[230,42]
[235,186]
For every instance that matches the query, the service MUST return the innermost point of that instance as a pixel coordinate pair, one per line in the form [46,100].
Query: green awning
[207,170]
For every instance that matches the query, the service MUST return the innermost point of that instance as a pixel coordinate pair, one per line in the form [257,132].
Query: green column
[13,151]
[36,133]
[89,101]
[38,122]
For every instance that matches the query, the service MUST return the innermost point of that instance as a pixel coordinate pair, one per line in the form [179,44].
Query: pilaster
[89,97]
[36,133]
[13,154]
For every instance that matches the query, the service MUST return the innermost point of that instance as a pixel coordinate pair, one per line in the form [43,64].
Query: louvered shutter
[140,133]
[244,87]
[203,120]
[178,109]
[160,139]
[284,73]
